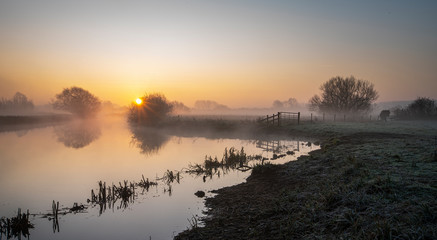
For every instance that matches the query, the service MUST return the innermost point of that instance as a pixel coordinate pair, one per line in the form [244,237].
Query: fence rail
[341,118]
[287,118]
[282,118]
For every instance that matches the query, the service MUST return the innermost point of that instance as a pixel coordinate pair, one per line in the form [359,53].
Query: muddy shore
[370,180]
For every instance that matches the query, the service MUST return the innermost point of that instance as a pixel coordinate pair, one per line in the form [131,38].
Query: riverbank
[18,123]
[369,180]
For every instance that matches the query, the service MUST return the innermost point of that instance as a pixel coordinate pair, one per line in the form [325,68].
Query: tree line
[344,95]
[17,104]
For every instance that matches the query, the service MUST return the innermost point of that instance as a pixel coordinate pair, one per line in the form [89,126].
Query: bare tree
[344,95]
[151,110]
[78,101]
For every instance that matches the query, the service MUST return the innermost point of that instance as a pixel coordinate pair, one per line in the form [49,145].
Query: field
[373,180]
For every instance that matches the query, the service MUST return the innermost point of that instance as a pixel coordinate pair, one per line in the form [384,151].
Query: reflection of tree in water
[120,196]
[78,134]
[149,140]
[21,133]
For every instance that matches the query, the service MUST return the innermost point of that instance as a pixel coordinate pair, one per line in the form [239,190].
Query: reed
[145,183]
[55,211]
[232,159]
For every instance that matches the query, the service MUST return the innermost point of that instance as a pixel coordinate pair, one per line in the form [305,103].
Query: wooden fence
[281,118]
[312,117]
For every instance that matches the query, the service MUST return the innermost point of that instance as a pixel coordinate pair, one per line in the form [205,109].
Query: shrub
[152,110]
[421,108]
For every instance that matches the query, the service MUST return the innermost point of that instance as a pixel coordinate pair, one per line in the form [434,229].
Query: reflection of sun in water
[138,101]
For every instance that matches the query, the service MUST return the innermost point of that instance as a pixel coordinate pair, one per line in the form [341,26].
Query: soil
[368,181]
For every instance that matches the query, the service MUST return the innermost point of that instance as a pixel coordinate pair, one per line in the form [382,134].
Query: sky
[238,53]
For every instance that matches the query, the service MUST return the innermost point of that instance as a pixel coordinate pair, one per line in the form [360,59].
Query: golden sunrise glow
[250,58]
[139,101]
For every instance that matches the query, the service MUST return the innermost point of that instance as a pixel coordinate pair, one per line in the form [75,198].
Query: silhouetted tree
[152,110]
[420,108]
[78,101]
[18,103]
[345,95]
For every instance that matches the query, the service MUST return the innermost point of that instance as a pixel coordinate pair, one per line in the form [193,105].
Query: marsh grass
[124,192]
[232,159]
[375,184]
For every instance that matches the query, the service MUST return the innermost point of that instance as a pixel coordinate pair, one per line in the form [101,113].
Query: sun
[139,101]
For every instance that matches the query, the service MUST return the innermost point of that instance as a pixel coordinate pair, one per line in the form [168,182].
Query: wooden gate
[281,118]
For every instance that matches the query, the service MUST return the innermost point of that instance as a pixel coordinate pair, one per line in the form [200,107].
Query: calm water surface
[65,162]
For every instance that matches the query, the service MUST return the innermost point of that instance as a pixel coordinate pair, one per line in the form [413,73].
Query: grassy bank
[369,181]
[16,123]
[30,119]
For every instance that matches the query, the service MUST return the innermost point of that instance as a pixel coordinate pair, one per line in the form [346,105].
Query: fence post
[298,118]
[334,117]
[311,117]
[344,118]
[279,117]
[323,116]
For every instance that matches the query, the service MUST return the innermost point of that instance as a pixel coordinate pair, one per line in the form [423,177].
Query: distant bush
[152,110]
[179,107]
[290,103]
[208,105]
[421,108]
[18,104]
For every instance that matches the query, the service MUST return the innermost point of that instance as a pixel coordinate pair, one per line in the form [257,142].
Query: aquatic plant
[232,160]
[145,183]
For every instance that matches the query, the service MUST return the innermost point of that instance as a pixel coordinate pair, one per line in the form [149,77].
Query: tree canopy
[344,95]
[151,110]
[78,101]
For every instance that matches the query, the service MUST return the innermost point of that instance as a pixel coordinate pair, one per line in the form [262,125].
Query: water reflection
[78,134]
[277,146]
[15,227]
[148,140]
[128,198]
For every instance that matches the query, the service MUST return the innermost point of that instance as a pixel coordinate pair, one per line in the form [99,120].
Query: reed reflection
[16,227]
[78,134]
[148,140]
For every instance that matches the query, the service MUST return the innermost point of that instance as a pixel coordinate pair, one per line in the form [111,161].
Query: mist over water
[64,162]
